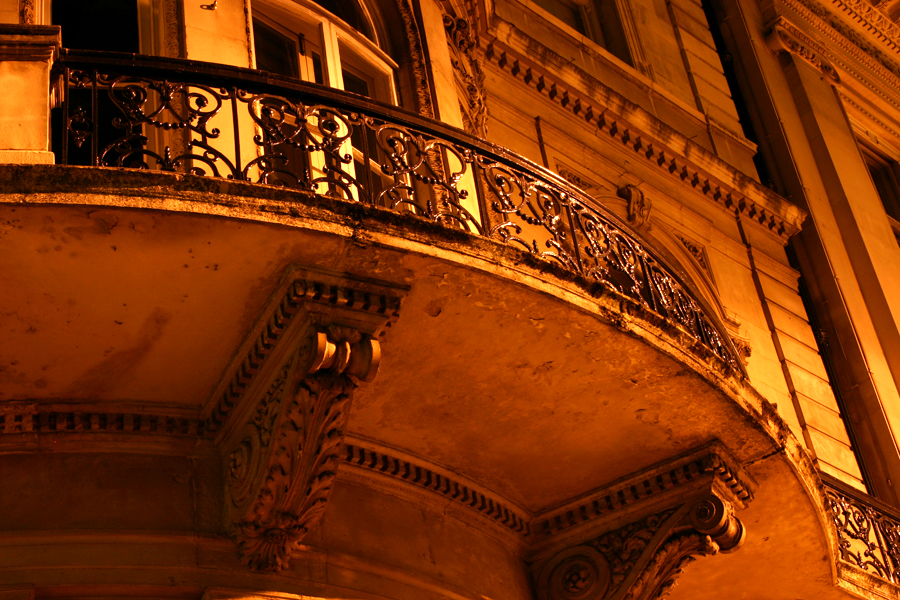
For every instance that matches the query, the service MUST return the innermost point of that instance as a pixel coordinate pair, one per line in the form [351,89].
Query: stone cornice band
[754,201]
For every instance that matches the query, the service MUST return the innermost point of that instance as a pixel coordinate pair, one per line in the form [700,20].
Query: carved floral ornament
[641,561]
[785,37]
[468,74]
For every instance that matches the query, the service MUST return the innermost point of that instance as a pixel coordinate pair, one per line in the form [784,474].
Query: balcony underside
[134,291]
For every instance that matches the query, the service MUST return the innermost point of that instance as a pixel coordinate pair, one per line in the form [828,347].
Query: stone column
[816,160]
[27,53]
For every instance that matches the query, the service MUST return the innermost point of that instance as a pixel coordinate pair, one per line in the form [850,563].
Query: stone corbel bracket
[631,542]
[280,413]
[784,36]
[638,206]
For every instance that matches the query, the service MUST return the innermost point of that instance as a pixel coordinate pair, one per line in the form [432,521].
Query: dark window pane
[566,12]
[355,84]
[109,25]
[275,53]
[317,69]
[614,38]
[351,13]
[884,176]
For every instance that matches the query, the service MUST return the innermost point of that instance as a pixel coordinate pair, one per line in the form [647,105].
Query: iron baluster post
[879,539]
[238,170]
[572,235]
[306,154]
[95,117]
[890,549]
[652,292]
[481,193]
[65,118]
[362,123]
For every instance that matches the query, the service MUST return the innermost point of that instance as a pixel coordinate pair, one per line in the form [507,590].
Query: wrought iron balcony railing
[203,119]
[868,531]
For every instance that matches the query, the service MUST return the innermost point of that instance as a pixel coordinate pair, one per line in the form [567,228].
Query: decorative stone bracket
[641,560]
[689,512]
[638,206]
[281,436]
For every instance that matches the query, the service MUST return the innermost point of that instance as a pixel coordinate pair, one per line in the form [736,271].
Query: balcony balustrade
[868,531]
[211,120]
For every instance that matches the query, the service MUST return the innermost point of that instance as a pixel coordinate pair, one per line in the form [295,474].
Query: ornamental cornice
[710,468]
[868,114]
[783,36]
[635,130]
[375,306]
[447,485]
[880,80]
[655,523]
[642,559]
[850,42]
[872,19]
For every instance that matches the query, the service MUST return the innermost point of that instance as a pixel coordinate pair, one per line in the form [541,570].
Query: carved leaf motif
[269,407]
[469,75]
[27,16]
[623,547]
[300,472]
[658,577]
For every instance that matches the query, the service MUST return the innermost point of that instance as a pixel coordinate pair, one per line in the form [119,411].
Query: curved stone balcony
[209,120]
[200,302]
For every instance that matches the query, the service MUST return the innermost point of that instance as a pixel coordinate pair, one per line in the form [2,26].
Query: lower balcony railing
[203,119]
[868,531]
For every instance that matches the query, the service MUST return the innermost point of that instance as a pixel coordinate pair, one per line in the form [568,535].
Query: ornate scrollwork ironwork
[237,126]
[869,538]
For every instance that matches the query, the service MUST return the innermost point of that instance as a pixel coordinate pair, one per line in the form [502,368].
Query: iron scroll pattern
[205,120]
[869,538]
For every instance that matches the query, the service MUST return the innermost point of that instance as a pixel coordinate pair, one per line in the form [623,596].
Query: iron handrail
[135,111]
[868,530]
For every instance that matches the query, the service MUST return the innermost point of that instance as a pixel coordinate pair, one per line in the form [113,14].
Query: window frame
[340,44]
[342,50]
[886,181]
[628,48]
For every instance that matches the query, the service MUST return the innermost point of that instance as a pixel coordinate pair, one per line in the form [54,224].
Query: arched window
[337,43]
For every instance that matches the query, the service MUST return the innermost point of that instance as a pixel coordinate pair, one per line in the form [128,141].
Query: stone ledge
[26,157]
[29,42]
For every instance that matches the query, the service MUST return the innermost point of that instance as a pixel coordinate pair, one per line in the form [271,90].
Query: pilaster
[27,53]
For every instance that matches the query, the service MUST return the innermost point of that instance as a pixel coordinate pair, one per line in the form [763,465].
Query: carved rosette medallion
[642,560]
[577,573]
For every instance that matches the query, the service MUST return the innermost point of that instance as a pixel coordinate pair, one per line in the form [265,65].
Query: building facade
[450,299]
